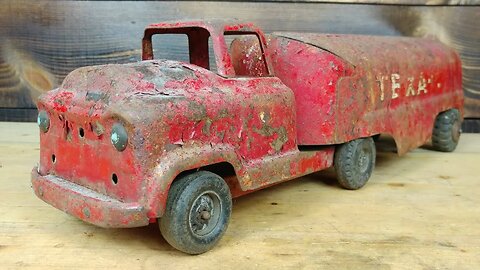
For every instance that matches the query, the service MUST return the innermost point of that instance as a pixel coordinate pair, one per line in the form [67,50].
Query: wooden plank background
[42,41]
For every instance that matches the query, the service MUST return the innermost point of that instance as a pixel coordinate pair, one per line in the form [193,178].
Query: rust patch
[197,111]
[97,96]
[206,126]
[267,131]
[98,128]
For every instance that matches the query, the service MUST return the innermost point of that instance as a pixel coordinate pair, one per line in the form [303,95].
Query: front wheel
[197,212]
[354,162]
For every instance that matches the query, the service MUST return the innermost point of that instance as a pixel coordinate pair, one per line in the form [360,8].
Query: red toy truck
[124,145]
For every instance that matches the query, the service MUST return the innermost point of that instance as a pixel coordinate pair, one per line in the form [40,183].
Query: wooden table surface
[419,211]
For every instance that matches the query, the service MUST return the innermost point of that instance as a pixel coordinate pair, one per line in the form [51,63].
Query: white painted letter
[395,85]
[382,87]
[410,89]
[422,85]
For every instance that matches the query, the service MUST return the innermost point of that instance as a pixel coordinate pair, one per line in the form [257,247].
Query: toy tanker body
[124,145]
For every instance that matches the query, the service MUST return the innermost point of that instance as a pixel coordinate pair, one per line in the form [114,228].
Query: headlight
[119,137]
[43,121]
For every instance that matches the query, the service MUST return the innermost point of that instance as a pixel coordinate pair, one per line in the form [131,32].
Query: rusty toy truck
[125,145]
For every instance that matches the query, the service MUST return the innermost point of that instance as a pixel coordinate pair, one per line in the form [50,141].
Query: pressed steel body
[306,89]
[358,86]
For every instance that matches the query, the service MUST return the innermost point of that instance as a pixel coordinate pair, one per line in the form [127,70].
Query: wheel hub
[456,130]
[205,213]
[363,159]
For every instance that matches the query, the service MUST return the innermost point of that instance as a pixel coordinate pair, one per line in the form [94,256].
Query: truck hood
[104,90]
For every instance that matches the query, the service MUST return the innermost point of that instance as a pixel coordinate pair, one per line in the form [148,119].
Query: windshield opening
[189,44]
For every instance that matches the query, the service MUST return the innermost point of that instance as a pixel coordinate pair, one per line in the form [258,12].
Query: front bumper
[86,204]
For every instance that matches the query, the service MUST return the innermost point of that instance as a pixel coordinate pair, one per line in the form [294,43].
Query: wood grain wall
[42,41]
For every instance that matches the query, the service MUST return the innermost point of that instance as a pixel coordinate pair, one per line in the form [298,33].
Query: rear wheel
[354,162]
[446,131]
[197,213]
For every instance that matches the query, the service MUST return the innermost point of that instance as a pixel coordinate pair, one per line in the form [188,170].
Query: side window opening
[246,54]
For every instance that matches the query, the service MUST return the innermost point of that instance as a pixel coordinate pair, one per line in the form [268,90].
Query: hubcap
[364,158]
[456,131]
[205,213]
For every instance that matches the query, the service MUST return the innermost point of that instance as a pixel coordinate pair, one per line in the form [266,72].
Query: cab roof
[211,25]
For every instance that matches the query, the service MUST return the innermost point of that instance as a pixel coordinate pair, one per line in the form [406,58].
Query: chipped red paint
[341,91]
[268,98]
[61,101]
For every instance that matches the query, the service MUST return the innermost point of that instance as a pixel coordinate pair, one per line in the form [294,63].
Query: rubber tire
[347,159]
[174,224]
[446,124]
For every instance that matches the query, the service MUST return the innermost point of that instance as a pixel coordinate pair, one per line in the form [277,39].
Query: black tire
[354,162]
[197,212]
[446,131]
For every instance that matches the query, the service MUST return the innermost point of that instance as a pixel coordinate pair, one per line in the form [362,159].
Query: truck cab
[205,38]
[125,145]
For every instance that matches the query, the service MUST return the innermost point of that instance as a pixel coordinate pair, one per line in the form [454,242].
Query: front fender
[179,160]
